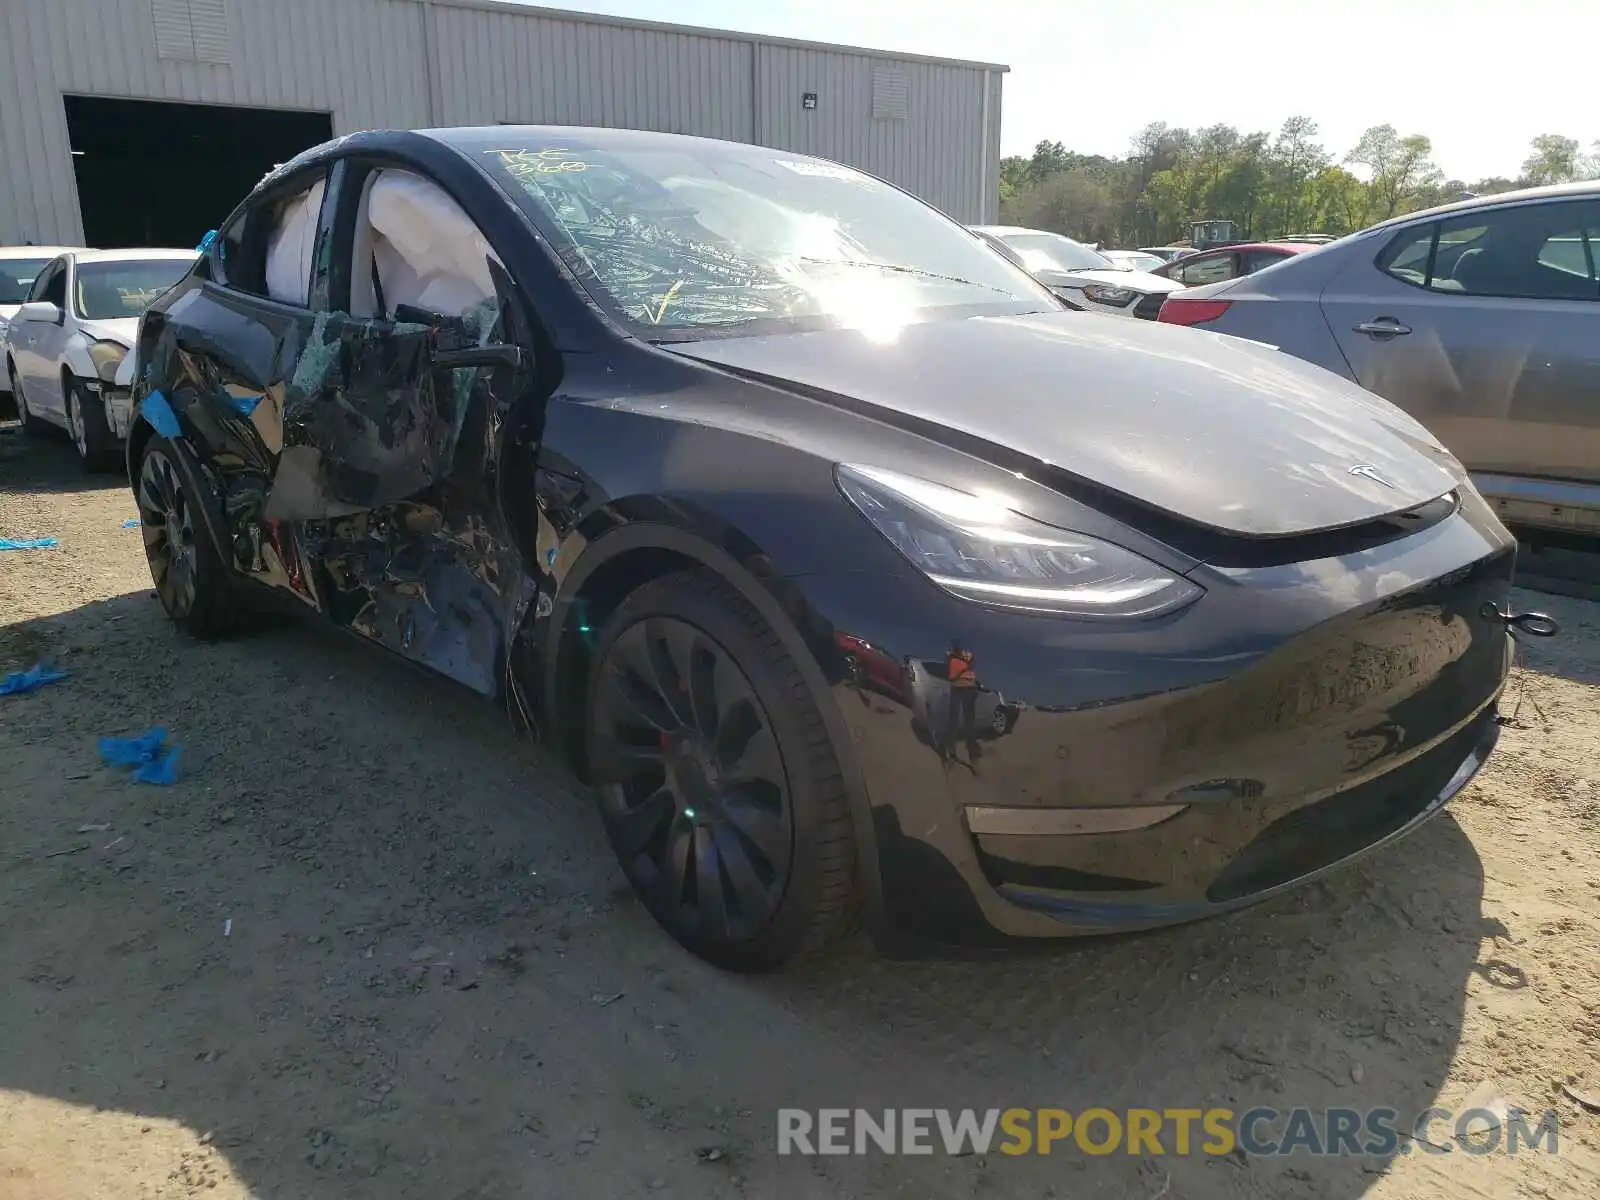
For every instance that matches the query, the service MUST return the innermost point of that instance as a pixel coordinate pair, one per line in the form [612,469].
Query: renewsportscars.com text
[1150,1131]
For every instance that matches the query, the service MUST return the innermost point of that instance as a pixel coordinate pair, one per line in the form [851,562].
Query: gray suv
[1481,319]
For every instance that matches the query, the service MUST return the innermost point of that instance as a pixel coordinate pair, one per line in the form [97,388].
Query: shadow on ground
[47,462]
[372,944]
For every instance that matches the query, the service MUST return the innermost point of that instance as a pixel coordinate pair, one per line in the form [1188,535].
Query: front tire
[91,432]
[192,581]
[719,787]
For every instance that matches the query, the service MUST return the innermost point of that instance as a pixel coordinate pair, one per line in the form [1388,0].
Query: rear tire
[194,584]
[718,783]
[91,432]
[32,425]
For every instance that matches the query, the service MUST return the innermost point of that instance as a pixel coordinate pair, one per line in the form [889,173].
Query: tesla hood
[1219,431]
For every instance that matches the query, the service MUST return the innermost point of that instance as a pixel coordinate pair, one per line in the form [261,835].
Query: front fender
[76,358]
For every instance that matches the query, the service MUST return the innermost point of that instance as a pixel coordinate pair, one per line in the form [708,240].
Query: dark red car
[1229,262]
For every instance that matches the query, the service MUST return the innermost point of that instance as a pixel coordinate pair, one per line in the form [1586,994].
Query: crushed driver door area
[362,424]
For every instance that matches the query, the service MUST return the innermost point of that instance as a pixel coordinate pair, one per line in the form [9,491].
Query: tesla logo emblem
[1366,472]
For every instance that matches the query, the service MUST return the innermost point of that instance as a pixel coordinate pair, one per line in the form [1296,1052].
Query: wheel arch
[619,562]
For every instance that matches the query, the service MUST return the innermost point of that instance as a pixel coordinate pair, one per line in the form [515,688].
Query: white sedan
[66,342]
[19,267]
[1084,278]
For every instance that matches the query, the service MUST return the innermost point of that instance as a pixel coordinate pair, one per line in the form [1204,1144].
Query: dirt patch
[373,944]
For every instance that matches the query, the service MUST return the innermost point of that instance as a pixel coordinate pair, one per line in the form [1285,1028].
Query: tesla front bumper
[1293,719]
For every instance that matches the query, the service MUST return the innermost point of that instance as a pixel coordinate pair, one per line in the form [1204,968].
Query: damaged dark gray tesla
[860,577]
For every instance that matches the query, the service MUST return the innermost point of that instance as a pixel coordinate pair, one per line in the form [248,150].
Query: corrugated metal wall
[405,63]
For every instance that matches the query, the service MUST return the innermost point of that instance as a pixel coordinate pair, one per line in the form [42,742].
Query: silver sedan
[1481,319]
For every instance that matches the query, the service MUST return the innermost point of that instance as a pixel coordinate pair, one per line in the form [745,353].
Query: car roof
[1552,191]
[136,254]
[1286,247]
[477,138]
[36,251]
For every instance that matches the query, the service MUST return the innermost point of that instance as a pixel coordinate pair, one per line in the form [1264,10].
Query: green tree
[1049,158]
[1297,158]
[1013,179]
[1552,159]
[1338,201]
[1401,167]
[1242,192]
[1074,202]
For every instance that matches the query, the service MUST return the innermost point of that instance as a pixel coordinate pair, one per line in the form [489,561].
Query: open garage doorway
[152,173]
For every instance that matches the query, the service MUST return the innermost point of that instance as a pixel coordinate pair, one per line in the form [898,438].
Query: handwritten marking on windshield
[555,160]
[661,312]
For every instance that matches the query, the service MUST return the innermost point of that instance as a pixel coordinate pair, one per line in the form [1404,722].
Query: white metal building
[145,121]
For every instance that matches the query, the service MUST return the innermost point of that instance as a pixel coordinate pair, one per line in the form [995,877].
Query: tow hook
[1534,624]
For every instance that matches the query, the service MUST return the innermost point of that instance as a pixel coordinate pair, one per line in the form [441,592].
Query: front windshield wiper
[902,270]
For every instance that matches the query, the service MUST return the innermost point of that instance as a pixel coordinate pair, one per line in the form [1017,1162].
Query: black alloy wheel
[190,579]
[725,808]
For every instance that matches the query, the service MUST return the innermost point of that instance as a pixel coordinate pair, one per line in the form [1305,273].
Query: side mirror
[41,311]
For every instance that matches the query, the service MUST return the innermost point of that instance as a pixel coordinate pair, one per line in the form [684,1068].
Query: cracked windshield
[694,242]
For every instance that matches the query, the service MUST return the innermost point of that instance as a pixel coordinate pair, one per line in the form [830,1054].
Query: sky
[1479,77]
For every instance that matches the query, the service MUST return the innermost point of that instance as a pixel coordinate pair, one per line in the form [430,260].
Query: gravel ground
[372,944]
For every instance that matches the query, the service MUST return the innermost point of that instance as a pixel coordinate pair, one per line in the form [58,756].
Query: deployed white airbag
[428,252]
[293,243]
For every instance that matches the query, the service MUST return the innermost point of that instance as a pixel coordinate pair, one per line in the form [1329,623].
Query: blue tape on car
[134,751]
[35,676]
[44,543]
[158,412]
[243,405]
[205,242]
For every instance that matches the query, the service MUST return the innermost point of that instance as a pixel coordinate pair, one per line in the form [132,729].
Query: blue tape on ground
[131,523]
[155,409]
[35,676]
[134,751]
[44,543]
[163,769]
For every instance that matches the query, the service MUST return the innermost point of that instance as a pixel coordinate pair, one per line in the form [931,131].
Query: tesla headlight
[107,357]
[980,549]
[1102,294]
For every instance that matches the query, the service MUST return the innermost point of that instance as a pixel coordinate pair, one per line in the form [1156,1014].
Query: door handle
[1383,327]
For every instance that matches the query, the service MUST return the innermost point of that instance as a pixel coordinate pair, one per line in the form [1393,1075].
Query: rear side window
[1257,259]
[270,247]
[1208,270]
[1530,252]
